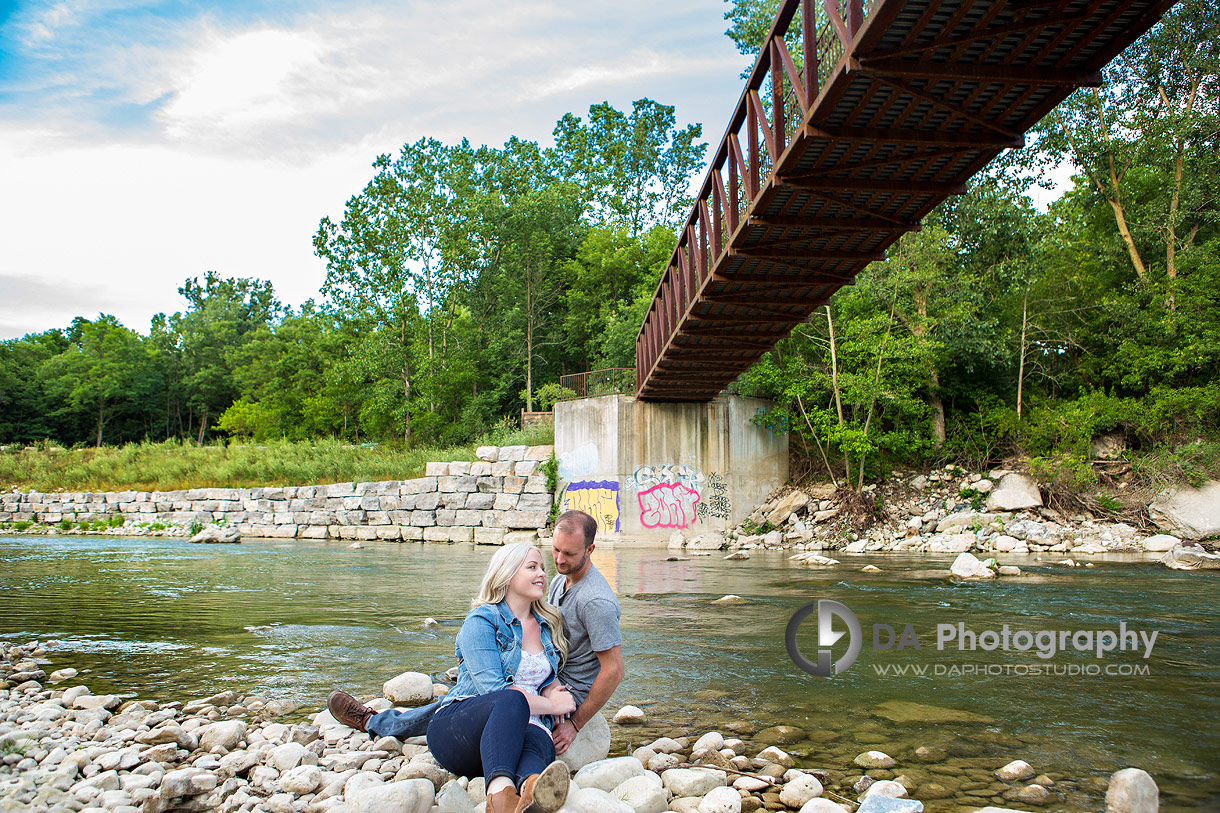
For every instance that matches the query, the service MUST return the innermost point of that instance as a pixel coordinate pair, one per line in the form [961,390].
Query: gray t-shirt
[590,622]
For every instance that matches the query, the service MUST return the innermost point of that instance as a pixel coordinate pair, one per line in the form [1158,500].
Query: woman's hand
[562,702]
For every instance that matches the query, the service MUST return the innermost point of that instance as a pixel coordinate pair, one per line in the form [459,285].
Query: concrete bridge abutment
[645,469]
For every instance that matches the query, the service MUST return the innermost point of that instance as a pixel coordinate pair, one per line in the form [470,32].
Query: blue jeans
[402,724]
[490,735]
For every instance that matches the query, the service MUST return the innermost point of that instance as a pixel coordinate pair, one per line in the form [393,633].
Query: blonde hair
[500,570]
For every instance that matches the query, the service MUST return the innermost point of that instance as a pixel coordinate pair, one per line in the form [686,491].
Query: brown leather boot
[504,800]
[348,710]
[545,792]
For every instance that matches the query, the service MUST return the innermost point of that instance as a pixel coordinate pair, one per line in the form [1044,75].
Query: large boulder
[721,800]
[692,781]
[800,790]
[1014,493]
[227,735]
[953,543]
[591,744]
[795,501]
[1132,790]
[644,793]
[594,800]
[1191,557]
[1161,543]
[1189,513]
[408,796]
[408,689]
[217,534]
[712,540]
[607,774]
[967,567]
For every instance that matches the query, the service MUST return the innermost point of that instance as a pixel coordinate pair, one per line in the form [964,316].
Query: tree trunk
[1120,217]
[938,410]
[1021,367]
[834,380]
[203,426]
[529,343]
[101,409]
[406,398]
[406,381]
[529,363]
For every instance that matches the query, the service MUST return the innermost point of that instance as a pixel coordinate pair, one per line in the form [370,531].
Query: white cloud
[242,81]
[137,221]
[236,138]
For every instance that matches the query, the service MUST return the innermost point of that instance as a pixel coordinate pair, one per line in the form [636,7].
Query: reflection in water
[293,620]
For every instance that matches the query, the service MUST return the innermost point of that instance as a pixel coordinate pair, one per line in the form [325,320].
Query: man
[594,667]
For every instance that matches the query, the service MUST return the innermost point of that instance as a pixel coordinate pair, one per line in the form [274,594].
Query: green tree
[26,413]
[634,169]
[222,314]
[609,285]
[106,371]
[282,372]
[1146,140]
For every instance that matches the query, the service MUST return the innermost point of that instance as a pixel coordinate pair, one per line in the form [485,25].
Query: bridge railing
[800,54]
[611,381]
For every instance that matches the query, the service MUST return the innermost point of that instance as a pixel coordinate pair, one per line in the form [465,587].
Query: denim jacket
[489,652]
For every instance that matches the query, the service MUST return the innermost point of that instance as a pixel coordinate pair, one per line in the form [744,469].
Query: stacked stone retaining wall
[488,502]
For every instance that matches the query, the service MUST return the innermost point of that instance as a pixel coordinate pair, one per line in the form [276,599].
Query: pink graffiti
[668,505]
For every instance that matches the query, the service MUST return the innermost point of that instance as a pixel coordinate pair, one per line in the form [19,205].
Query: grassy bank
[171,465]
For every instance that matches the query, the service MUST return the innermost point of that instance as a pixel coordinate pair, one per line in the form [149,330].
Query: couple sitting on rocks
[532,672]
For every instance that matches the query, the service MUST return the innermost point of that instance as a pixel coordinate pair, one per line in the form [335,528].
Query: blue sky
[142,143]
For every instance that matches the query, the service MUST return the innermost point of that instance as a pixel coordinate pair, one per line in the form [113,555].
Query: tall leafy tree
[106,371]
[635,169]
[1146,142]
[26,411]
[222,314]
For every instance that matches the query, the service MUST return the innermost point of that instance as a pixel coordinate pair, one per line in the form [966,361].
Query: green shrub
[751,528]
[194,528]
[1063,470]
[973,496]
[65,524]
[22,525]
[550,467]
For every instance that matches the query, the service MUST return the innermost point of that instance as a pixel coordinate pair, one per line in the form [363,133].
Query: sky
[144,143]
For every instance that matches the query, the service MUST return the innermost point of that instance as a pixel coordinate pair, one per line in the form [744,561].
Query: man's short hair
[577,522]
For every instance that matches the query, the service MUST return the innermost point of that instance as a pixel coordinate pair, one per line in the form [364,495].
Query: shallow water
[292,620]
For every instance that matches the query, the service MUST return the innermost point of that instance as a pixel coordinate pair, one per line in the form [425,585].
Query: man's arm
[609,676]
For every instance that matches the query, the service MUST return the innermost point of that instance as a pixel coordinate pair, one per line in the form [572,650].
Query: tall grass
[173,465]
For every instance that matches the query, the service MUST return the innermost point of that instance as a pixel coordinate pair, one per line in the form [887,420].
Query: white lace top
[531,673]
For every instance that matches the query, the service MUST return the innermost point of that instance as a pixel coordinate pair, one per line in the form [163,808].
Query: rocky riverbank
[953,511]
[65,749]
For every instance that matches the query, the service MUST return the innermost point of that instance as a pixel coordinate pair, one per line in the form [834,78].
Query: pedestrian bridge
[855,122]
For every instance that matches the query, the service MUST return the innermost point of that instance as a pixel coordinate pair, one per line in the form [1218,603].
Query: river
[292,620]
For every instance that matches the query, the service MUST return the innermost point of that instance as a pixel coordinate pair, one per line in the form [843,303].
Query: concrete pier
[645,469]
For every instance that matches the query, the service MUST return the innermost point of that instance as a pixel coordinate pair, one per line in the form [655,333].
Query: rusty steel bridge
[855,122]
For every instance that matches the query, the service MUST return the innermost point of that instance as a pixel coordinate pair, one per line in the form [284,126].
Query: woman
[497,720]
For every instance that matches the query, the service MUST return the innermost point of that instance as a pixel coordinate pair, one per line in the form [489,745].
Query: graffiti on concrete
[715,503]
[648,476]
[580,462]
[668,505]
[597,498]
